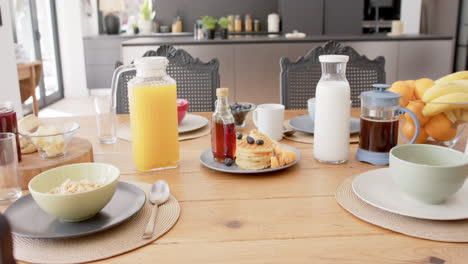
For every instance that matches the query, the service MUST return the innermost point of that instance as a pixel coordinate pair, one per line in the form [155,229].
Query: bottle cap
[222,92]
[333,58]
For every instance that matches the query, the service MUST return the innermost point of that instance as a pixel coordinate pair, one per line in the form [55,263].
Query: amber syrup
[223,141]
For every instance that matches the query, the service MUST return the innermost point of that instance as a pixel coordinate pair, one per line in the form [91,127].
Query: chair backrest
[196,80]
[299,79]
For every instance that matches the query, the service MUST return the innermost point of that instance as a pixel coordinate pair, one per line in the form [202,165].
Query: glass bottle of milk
[332,111]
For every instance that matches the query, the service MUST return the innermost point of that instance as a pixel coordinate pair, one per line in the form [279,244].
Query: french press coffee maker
[379,124]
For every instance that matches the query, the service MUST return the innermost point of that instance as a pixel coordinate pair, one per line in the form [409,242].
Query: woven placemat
[120,239]
[309,138]
[124,132]
[196,133]
[446,231]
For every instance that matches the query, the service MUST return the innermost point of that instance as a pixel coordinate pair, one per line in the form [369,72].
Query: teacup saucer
[304,124]
[377,188]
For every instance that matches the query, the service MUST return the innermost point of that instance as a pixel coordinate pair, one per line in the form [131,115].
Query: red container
[182,108]
[8,123]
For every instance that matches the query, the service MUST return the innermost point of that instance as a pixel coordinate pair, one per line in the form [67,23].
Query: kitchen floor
[77,106]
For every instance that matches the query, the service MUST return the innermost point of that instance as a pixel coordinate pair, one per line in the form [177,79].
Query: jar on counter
[238,23]
[201,34]
[195,30]
[273,22]
[248,23]
[231,26]
[257,27]
[177,25]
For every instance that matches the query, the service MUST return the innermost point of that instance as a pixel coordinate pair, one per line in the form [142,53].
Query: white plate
[303,123]
[27,219]
[207,159]
[192,122]
[377,188]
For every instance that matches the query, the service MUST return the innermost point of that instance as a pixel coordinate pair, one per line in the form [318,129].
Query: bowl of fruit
[182,108]
[441,107]
[240,111]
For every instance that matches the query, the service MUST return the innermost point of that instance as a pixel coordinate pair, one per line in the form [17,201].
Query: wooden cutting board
[78,150]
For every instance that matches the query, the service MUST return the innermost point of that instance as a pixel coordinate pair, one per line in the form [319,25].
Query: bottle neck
[222,104]
[144,71]
[333,69]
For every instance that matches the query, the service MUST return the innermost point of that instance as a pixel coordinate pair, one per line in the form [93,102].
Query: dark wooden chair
[299,79]
[196,80]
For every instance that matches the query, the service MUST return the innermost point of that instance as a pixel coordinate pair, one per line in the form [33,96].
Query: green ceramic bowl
[78,206]
[428,173]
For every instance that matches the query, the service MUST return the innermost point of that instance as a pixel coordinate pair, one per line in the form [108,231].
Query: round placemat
[446,231]
[196,133]
[303,137]
[102,245]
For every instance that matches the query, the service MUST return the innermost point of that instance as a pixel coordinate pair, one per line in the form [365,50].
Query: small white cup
[269,119]
[311,108]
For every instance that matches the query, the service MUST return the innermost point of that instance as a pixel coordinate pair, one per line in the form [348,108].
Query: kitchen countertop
[188,40]
[126,36]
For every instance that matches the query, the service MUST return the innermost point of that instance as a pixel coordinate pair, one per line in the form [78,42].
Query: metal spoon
[158,195]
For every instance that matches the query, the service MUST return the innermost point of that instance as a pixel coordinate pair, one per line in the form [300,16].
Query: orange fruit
[409,129]
[416,108]
[406,90]
[411,83]
[274,162]
[439,127]
[421,87]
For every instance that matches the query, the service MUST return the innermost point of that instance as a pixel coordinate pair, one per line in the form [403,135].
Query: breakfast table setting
[247,183]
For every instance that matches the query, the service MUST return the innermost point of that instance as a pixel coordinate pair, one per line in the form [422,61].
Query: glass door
[36,31]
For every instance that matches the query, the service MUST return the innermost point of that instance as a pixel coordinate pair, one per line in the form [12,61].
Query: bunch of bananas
[449,95]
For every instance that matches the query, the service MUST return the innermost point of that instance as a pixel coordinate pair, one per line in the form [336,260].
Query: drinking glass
[10,184]
[105,120]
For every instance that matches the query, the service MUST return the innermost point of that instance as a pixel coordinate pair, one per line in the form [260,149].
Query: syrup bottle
[223,131]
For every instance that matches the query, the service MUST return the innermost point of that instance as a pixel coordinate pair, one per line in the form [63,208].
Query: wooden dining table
[289,216]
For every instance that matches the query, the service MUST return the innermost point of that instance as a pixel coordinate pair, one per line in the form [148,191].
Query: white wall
[9,86]
[69,19]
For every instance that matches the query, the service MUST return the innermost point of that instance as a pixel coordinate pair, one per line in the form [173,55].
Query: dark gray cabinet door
[343,16]
[303,15]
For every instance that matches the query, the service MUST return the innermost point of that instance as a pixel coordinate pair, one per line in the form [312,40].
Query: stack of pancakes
[254,156]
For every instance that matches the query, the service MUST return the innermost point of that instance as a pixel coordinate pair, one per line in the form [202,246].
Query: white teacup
[311,108]
[269,119]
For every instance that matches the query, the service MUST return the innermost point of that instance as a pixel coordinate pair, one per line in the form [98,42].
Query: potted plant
[224,23]
[136,30]
[145,23]
[209,23]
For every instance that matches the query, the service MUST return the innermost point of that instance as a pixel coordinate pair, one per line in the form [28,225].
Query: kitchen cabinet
[100,58]
[252,70]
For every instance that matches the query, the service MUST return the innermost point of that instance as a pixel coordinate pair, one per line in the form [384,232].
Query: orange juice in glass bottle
[152,97]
